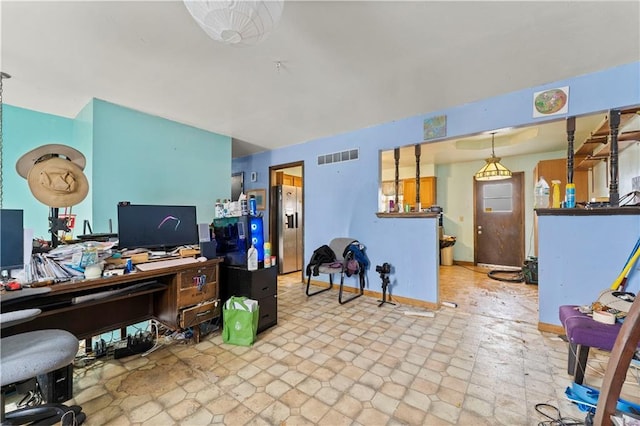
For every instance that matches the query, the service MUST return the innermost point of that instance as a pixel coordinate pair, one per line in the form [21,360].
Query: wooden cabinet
[192,298]
[557,170]
[285,179]
[260,285]
[427,191]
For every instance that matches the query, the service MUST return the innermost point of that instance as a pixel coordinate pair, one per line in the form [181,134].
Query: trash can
[446,256]
[446,250]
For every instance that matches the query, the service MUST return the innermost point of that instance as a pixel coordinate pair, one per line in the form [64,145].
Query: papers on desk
[63,262]
[41,268]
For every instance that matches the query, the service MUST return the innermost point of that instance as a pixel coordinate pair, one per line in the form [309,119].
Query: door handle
[296,219]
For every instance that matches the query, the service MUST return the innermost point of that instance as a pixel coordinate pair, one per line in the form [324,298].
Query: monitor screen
[11,239]
[157,227]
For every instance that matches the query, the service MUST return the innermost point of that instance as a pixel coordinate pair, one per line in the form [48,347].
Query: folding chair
[339,266]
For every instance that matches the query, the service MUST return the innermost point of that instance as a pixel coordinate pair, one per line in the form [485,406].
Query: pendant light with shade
[237,22]
[493,170]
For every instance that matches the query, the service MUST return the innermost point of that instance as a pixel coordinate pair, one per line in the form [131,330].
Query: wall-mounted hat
[26,162]
[54,174]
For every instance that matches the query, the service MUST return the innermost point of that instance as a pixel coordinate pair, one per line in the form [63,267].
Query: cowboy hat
[57,182]
[26,162]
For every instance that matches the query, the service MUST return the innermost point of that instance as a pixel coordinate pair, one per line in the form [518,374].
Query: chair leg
[318,291]
[571,360]
[355,296]
[581,366]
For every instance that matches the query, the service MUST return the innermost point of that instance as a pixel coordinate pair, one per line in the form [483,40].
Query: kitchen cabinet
[557,170]
[427,191]
[286,179]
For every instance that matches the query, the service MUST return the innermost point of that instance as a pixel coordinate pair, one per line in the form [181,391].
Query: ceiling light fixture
[238,23]
[493,170]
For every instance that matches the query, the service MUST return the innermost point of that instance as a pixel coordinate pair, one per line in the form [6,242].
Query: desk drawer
[198,314]
[188,292]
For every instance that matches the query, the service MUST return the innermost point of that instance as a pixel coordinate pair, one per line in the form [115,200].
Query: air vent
[336,157]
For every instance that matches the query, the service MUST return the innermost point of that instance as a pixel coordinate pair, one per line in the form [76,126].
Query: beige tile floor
[353,364]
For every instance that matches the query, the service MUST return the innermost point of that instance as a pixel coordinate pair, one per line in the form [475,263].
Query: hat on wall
[27,161]
[54,174]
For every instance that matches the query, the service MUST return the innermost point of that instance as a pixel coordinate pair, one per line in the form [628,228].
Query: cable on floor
[469,269]
[555,417]
[509,276]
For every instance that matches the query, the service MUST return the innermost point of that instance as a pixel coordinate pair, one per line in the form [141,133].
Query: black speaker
[208,249]
[57,386]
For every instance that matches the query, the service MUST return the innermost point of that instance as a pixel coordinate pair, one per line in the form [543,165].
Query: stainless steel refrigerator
[289,227]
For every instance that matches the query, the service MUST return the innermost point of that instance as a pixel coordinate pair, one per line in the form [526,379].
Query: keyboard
[160,264]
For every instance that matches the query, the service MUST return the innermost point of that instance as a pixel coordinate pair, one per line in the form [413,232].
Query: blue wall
[341,199]
[580,256]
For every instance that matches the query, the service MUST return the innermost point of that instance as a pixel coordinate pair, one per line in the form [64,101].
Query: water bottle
[541,194]
[253,208]
[218,212]
[252,259]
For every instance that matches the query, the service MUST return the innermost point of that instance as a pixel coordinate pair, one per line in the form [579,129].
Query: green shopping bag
[240,321]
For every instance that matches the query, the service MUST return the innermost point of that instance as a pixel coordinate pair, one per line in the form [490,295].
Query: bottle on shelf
[218,212]
[253,208]
[556,194]
[570,196]
[252,258]
[541,194]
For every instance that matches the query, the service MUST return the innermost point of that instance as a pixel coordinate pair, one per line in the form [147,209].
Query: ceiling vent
[336,157]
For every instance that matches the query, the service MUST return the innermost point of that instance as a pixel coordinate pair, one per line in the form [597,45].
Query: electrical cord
[554,416]
[510,276]
[469,269]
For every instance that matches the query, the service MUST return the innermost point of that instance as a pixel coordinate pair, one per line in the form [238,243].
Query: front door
[499,221]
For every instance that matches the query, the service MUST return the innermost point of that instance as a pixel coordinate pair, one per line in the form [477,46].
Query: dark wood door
[499,221]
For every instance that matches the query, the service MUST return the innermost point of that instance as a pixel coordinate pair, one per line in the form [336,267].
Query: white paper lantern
[236,22]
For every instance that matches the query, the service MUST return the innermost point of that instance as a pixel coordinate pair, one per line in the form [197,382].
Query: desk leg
[123,333]
[196,334]
[88,345]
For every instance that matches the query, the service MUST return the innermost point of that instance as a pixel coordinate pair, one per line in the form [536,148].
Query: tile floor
[483,363]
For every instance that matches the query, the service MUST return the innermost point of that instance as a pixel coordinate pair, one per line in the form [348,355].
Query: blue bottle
[253,208]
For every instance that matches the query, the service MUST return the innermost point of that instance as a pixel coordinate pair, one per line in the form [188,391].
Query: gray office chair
[24,356]
[340,247]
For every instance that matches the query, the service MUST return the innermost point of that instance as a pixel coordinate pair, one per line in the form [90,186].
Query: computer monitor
[156,226]
[11,239]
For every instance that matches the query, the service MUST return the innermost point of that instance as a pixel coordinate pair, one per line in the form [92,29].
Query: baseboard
[399,299]
[551,328]
[463,263]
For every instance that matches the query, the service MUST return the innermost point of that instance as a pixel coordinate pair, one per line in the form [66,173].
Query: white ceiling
[344,65]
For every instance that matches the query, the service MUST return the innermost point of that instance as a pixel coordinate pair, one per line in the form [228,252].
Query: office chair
[24,356]
[341,248]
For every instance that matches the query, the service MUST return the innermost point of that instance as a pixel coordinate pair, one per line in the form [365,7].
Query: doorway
[286,216]
[498,221]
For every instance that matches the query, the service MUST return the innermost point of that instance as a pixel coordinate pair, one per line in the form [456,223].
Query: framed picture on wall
[261,197]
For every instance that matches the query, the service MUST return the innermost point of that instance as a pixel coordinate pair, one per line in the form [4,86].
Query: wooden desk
[170,295]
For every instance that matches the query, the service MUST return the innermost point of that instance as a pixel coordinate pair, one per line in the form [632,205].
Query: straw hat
[53,180]
[26,162]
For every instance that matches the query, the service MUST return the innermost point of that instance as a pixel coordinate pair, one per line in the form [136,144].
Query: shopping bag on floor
[240,321]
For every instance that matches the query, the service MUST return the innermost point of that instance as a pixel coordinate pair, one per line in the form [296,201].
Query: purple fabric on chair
[581,329]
